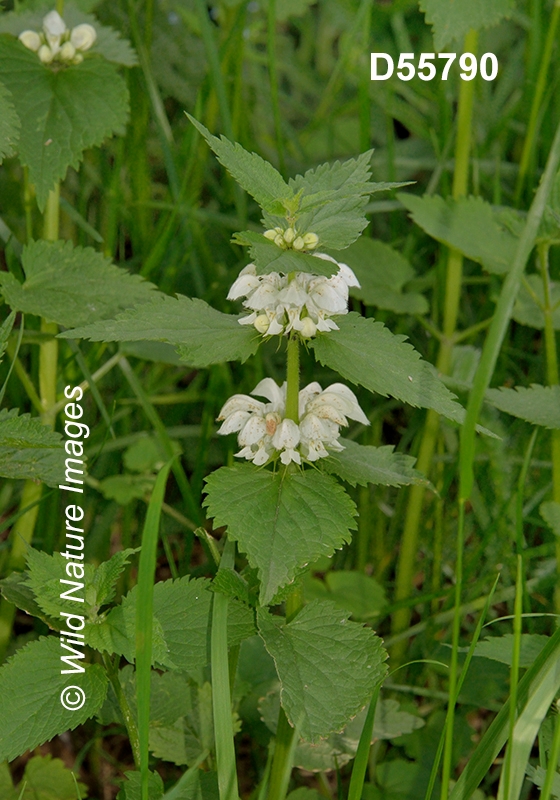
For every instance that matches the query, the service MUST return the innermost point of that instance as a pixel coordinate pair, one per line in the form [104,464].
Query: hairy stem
[292,378]
[409,543]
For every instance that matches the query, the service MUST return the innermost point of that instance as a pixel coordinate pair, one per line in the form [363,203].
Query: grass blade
[362,755]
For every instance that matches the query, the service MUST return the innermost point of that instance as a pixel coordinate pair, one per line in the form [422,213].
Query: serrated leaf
[268,257]
[550,512]
[452,20]
[252,173]
[367,353]
[363,464]
[5,330]
[46,778]
[539,405]
[281,521]
[328,666]
[16,590]
[65,111]
[470,225]
[202,335]
[382,273]
[359,594]
[9,124]
[31,683]
[528,312]
[500,648]
[29,449]
[537,775]
[182,610]
[124,488]
[132,788]
[72,285]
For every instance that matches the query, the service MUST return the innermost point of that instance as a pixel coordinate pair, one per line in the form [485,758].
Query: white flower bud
[298,244]
[279,241]
[308,328]
[83,36]
[78,58]
[261,323]
[271,234]
[53,24]
[67,51]
[311,240]
[289,235]
[31,40]
[45,54]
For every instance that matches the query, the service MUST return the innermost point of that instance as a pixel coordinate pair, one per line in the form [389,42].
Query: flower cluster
[290,238]
[263,432]
[304,303]
[56,43]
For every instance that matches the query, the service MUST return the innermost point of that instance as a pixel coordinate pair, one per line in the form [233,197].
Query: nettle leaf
[202,335]
[252,173]
[16,590]
[182,611]
[132,789]
[31,683]
[539,405]
[5,330]
[46,778]
[528,310]
[328,666]
[65,111]
[268,257]
[359,594]
[550,512]
[470,225]
[452,20]
[500,648]
[282,520]
[365,464]
[383,273]
[72,285]
[367,353]
[29,449]
[9,124]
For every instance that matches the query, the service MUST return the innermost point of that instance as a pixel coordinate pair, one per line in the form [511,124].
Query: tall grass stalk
[409,542]
[273,77]
[144,621]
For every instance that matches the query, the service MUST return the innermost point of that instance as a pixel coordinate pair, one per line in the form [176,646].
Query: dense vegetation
[282,613]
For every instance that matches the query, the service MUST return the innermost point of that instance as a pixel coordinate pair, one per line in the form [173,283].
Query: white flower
[31,40]
[56,44]
[54,29]
[305,303]
[83,36]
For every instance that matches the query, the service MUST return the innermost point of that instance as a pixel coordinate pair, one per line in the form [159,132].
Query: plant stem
[529,143]
[292,378]
[112,670]
[552,374]
[409,542]
[221,695]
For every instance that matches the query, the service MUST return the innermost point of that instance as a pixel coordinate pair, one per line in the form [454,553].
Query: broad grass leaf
[539,405]
[72,285]
[383,273]
[550,512]
[29,449]
[65,112]
[252,173]
[367,353]
[46,778]
[201,334]
[452,20]
[282,521]
[363,464]
[9,125]
[528,312]
[500,648]
[327,665]
[469,224]
[30,687]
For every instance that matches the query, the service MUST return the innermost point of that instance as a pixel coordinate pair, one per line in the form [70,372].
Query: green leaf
[358,593]
[46,778]
[9,125]
[31,684]
[452,20]
[539,405]
[202,335]
[29,449]
[538,775]
[5,330]
[282,520]
[182,610]
[500,648]
[132,789]
[195,784]
[124,488]
[65,111]
[328,666]
[72,285]
[470,225]
[252,173]
[268,257]
[291,8]
[550,512]
[363,464]
[367,353]
[382,273]
[528,312]
[16,590]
